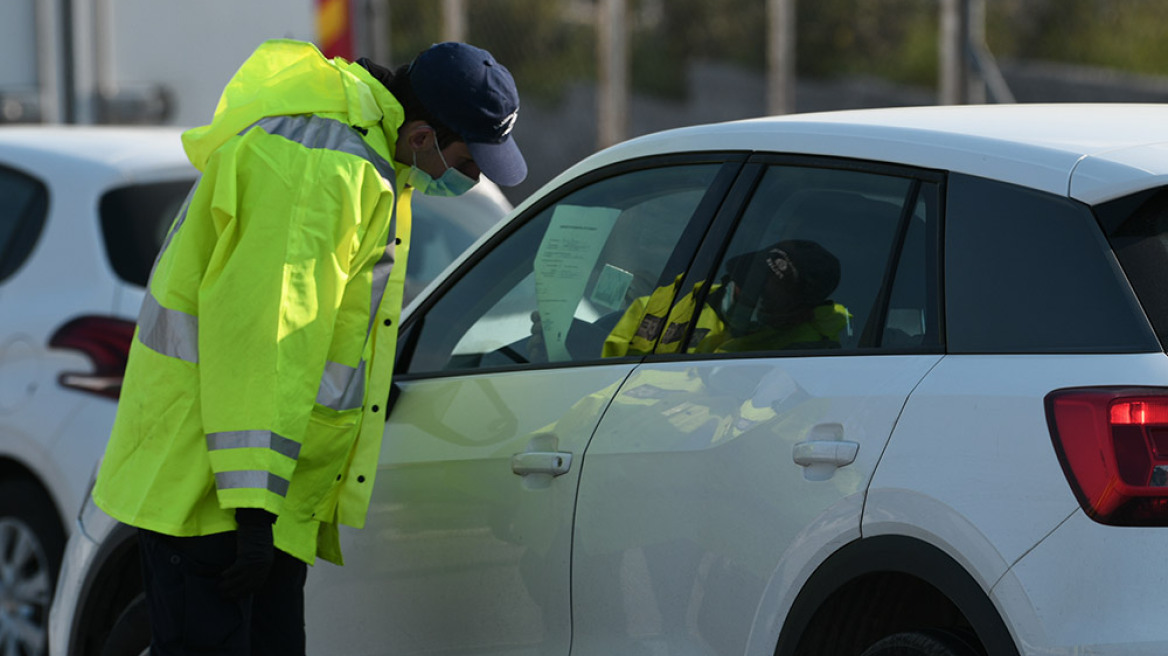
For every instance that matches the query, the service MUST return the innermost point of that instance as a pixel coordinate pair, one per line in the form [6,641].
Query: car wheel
[31,544]
[131,633]
[922,643]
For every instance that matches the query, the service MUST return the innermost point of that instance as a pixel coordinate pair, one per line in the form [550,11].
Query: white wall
[18,47]
[194,47]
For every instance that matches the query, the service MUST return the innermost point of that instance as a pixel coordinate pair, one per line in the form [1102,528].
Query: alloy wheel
[25,590]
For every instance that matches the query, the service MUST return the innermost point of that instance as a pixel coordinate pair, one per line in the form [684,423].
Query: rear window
[134,221]
[1137,227]
[1029,272]
[24,202]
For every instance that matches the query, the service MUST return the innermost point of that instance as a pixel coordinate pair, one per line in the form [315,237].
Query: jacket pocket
[324,456]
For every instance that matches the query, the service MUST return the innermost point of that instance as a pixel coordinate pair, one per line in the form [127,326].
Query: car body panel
[932,482]
[692,496]
[460,554]
[1103,609]
[1109,174]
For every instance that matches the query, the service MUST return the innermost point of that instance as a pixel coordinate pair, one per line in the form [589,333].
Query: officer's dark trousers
[188,615]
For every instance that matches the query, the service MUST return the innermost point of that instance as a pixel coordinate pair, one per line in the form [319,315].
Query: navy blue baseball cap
[468,91]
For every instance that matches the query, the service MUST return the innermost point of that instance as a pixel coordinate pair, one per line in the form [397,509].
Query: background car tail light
[106,342]
[1113,446]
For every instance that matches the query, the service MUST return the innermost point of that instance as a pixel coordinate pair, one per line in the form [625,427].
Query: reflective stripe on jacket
[265,344]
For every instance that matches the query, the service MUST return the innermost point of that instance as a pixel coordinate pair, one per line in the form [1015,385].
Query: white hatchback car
[883,382]
[82,214]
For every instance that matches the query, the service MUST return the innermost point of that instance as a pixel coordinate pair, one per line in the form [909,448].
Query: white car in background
[82,214]
[954,445]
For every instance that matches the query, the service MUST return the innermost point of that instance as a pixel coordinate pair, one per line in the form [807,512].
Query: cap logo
[507,124]
[780,265]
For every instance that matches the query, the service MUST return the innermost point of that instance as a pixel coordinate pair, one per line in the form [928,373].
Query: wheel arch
[113,580]
[876,586]
[11,468]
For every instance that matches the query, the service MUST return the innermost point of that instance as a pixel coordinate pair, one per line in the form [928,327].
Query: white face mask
[452,182]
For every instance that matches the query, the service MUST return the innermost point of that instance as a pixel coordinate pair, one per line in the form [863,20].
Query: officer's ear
[419,135]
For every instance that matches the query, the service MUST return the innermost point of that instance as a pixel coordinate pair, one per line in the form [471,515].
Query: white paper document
[563,264]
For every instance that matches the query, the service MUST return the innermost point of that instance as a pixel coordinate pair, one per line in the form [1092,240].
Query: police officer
[254,399]
[773,298]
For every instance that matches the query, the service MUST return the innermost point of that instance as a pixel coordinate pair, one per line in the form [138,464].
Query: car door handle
[834,453]
[555,463]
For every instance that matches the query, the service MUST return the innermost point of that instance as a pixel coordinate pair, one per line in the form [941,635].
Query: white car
[882,382]
[82,214]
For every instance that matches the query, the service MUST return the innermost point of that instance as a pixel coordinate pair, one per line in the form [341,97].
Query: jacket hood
[285,77]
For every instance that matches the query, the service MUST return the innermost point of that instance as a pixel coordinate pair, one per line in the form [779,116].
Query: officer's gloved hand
[253,555]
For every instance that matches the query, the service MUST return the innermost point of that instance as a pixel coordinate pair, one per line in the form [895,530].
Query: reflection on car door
[468,543]
[706,469]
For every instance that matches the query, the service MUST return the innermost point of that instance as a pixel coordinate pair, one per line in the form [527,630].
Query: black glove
[253,553]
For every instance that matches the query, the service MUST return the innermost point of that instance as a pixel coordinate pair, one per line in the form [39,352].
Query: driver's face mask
[740,318]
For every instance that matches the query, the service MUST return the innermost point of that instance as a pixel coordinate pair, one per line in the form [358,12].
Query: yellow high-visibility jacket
[260,369]
[649,325]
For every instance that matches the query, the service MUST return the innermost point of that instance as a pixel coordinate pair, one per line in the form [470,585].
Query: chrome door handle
[555,463]
[835,453]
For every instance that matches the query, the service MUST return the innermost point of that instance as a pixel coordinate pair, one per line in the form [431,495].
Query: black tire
[131,633]
[922,643]
[32,542]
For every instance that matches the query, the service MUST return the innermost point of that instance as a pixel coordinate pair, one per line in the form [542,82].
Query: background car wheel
[922,643]
[131,633]
[31,544]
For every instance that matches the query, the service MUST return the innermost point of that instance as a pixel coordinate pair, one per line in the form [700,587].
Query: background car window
[1028,272]
[134,223]
[442,228]
[554,289]
[807,264]
[24,202]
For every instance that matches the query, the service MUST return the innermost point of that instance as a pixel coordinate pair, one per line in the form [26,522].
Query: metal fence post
[780,56]
[613,66]
[454,20]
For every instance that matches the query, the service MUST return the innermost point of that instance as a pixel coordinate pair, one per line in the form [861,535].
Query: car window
[913,318]
[134,222]
[1138,231]
[807,266]
[24,202]
[554,289]
[1029,272]
[442,228]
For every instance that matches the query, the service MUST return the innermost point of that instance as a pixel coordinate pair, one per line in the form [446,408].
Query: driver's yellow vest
[654,324]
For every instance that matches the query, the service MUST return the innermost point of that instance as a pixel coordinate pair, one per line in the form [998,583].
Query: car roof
[1092,152]
[125,151]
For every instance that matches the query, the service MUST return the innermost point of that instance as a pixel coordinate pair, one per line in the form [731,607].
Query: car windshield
[134,222]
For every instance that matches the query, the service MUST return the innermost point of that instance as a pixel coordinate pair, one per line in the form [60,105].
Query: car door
[467,544]
[724,466]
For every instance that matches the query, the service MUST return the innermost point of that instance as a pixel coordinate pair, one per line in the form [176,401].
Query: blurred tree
[1126,35]
[549,44]
[541,49]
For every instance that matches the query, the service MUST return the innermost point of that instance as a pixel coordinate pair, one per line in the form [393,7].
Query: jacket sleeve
[290,222]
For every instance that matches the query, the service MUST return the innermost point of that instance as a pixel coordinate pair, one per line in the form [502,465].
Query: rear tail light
[1113,446]
[106,342]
